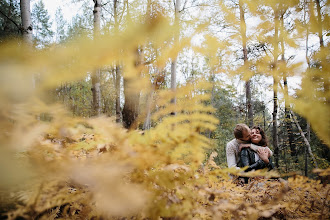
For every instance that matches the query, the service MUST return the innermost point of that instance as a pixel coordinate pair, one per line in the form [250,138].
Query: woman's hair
[263,142]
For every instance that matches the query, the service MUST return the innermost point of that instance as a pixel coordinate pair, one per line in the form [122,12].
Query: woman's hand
[264,154]
[241,146]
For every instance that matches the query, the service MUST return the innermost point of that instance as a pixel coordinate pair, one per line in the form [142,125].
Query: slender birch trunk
[96,75]
[147,120]
[326,83]
[288,123]
[212,95]
[308,66]
[159,80]
[27,31]
[175,38]
[132,96]
[305,139]
[118,68]
[275,88]
[319,21]
[117,87]
[245,58]
[26,21]
[306,148]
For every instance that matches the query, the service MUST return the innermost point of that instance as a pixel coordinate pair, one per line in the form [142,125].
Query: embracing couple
[249,148]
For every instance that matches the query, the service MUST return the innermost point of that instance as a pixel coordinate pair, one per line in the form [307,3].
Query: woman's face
[255,136]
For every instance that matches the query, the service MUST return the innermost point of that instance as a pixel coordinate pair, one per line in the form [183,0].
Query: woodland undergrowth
[75,168]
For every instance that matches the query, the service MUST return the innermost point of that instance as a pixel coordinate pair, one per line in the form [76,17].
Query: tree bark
[275,87]
[308,66]
[306,148]
[319,21]
[131,106]
[275,132]
[245,58]
[117,87]
[118,68]
[305,139]
[288,123]
[175,37]
[26,21]
[326,83]
[147,121]
[96,75]
[158,81]
[132,97]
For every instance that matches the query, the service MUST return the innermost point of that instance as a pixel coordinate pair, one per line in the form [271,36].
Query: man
[242,135]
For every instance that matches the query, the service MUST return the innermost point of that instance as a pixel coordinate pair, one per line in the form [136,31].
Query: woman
[260,160]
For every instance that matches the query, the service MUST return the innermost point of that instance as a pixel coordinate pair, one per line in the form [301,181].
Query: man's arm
[270,152]
[255,148]
[230,154]
[263,162]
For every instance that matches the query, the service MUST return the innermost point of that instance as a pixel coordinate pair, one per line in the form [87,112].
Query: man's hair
[238,131]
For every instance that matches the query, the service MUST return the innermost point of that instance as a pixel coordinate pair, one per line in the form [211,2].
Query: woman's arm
[263,162]
[260,164]
[270,152]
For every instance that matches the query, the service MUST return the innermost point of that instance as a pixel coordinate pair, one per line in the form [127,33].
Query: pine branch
[18,27]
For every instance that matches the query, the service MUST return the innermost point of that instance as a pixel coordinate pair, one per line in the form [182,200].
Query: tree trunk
[288,123]
[26,21]
[115,14]
[306,148]
[131,106]
[173,76]
[326,84]
[245,58]
[159,80]
[175,37]
[319,21]
[117,69]
[147,121]
[96,90]
[275,133]
[212,79]
[305,139]
[96,75]
[132,97]
[249,103]
[117,87]
[275,87]
[308,66]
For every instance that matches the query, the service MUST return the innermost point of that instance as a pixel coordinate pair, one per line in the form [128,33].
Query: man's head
[242,132]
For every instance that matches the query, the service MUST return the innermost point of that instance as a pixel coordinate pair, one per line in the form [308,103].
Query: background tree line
[248,50]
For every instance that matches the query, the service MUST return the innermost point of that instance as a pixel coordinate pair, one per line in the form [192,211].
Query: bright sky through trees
[68,9]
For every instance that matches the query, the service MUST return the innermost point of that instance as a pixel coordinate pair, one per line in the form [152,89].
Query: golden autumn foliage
[55,166]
